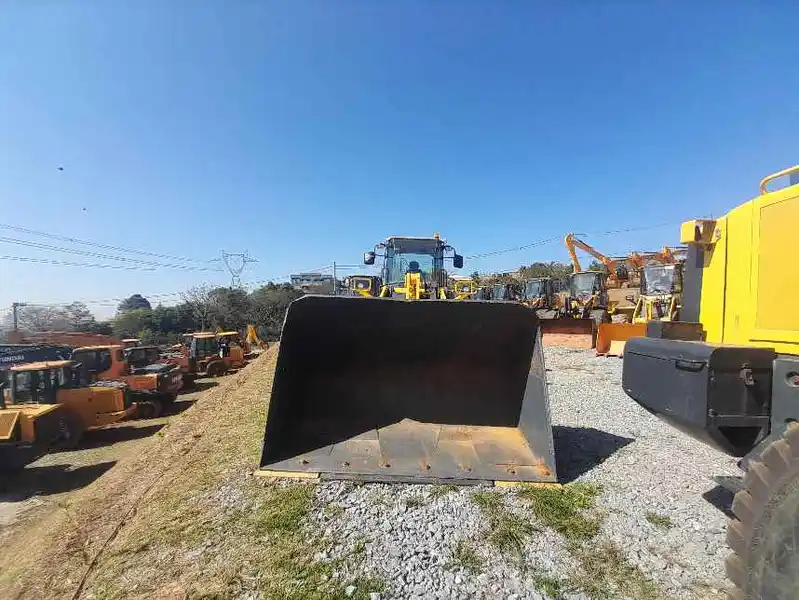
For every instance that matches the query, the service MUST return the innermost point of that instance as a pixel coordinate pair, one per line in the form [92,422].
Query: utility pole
[335,281]
[15,316]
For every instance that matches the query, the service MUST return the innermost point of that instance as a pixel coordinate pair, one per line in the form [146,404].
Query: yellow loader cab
[727,373]
[413,267]
[409,387]
[63,383]
[463,289]
[367,286]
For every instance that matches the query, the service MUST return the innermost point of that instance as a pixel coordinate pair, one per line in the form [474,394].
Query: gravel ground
[412,538]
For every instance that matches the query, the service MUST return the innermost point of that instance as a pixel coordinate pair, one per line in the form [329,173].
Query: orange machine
[235,348]
[153,385]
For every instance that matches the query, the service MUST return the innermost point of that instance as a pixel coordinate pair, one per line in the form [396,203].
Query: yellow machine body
[743,259]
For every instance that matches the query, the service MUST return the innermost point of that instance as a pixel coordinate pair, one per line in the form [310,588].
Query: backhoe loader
[153,386]
[727,374]
[409,386]
[659,299]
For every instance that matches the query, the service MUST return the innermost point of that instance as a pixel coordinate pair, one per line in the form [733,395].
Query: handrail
[768,178]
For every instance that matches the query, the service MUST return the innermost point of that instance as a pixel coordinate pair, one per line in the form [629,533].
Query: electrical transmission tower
[235,263]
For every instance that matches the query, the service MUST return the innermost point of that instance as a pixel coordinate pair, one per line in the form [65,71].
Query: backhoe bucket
[415,391]
[612,337]
[568,333]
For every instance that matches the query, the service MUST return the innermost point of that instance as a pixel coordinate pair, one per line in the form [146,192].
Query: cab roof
[42,365]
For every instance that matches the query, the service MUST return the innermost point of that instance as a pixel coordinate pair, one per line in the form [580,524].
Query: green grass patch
[663,522]
[334,510]
[563,508]
[283,509]
[604,573]
[549,584]
[464,555]
[507,531]
[414,501]
[440,491]
[487,500]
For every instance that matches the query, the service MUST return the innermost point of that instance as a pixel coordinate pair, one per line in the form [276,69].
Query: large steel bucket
[421,391]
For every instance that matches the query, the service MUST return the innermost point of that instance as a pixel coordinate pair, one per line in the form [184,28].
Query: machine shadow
[112,435]
[580,449]
[21,485]
[721,498]
[198,386]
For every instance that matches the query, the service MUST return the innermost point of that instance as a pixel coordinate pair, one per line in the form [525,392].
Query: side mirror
[369,258]
[457,261]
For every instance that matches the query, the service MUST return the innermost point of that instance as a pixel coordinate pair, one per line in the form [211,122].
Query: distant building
[317,282]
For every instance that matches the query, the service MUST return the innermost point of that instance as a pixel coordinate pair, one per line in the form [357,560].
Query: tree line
[201,308]
[554,269]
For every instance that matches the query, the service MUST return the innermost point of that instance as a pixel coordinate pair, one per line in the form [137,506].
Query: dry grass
[605,573]
[198,524]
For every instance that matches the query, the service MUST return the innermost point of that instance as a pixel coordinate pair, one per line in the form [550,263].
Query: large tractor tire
[71,430]
[764,536]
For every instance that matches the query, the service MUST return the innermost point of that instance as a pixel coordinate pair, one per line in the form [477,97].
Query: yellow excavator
[727,373]
[412,385]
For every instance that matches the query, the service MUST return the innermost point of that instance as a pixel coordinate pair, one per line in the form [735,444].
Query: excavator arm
[572,243]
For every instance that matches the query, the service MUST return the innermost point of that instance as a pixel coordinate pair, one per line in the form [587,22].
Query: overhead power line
[72,240]
[149,263]
[66,263]
[550,240]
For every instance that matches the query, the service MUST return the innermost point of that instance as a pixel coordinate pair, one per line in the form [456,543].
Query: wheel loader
[727,373]
[153,386]
[88,405]
[363,285]
[412,385]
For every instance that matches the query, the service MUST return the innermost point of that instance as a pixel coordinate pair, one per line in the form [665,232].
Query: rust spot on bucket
[304,461]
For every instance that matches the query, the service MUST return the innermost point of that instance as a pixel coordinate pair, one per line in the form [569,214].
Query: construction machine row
[52,393]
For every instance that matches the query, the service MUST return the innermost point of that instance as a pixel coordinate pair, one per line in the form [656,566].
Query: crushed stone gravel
[408,536]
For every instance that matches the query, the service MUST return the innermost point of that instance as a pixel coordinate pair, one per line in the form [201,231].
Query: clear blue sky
[305,132]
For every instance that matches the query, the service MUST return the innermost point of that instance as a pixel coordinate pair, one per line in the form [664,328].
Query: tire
[71,431]
[764,536]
